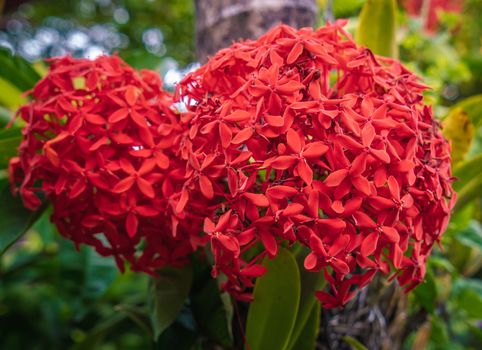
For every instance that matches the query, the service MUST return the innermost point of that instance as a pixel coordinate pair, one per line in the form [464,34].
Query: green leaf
[167,294]
[17,71]
[95,336]
[177,337]
[307,337]
[471,236]
[11,97]
[458,128]
[467,295]
[355,344]
[439,332]
[310,283]
[473,107]
[377,27]
[212,313]
[272,314]
[9,141]
[466,171]
[470,191]
[15,220]
[5,116]
[426,293]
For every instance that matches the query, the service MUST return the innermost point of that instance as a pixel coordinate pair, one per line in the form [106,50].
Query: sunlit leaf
[11,97]
[377,27]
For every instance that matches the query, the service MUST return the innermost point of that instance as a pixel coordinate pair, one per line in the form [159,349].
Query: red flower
[302,136]
[101,143]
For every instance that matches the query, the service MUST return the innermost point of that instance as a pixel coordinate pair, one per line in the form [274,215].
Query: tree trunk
[220,22]
[377,316]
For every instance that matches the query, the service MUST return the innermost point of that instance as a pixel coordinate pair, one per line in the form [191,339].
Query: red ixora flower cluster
[302,136]
[100,143]
[297,137]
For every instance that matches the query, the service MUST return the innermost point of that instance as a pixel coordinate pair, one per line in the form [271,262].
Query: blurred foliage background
[52,297]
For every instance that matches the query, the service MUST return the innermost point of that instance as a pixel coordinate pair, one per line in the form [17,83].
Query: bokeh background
[52,297]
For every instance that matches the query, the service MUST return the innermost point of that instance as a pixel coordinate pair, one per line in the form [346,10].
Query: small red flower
[302,136]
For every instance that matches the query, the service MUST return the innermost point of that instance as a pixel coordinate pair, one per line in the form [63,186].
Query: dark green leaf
[17,70]
[272,314]
[177,337]
[426,293]
[9,142]
[94,338]
[307,337]
[15,220]
[167,294]
[377,27]
[439,333]
[213,315]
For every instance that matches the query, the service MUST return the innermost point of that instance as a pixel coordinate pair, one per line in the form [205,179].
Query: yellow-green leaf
[355,344]
[458,128]
[377,27]
[11,97]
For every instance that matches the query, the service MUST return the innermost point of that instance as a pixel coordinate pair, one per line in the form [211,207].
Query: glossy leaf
[15,220]
[377,27]
[272,314]
[167,294]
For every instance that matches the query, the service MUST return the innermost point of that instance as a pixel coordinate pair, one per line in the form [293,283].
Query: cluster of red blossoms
[302,136]
[299,137]
[101,142]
